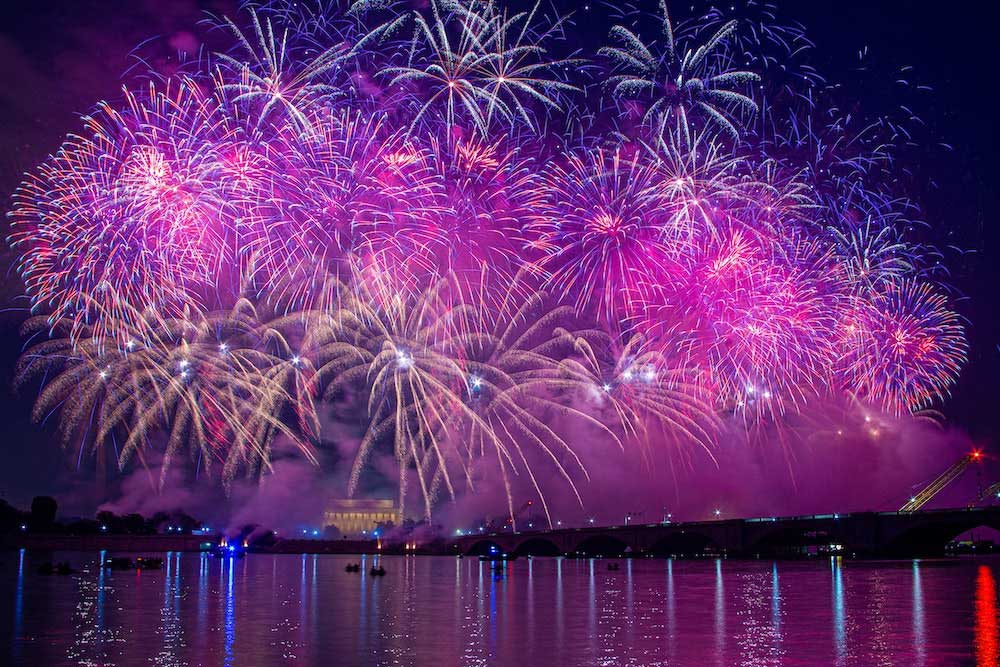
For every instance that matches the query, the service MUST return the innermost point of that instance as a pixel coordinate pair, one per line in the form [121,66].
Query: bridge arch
[484,548]
[602,545]
[931,538]
[537,546]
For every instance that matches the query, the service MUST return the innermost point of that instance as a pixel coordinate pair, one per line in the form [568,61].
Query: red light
[986,629]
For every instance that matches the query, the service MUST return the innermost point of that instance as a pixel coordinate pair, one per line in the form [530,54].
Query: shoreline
[151,544]
[182,543]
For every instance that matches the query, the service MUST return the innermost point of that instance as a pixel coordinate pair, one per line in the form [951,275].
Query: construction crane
[511,520]
[992,491]
[944,479]
[492,526]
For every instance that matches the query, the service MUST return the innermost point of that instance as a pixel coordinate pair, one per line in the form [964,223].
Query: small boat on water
[227,549]
[377,571]
[352,567]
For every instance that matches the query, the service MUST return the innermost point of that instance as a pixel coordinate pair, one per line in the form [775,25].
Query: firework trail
[436,216]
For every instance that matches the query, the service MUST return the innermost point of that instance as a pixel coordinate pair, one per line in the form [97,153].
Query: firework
[678,75]
[904,345]
[426,216]
[475,63]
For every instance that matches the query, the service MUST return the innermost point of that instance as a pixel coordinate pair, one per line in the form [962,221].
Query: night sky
[58,58]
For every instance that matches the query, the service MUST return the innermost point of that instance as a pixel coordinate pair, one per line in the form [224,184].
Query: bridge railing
[752,520]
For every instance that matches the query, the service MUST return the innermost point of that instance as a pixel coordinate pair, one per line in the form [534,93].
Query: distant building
[355,516]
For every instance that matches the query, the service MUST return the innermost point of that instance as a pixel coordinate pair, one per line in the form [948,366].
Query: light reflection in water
[18,608]
[775,600]
[918,618]
[202,612]
[671,615]
[720,615]
[303,597]
[592,608]
[457,611]
[776,634]
[480,598]
[839,628]
[987,640]
[758,617]
[100,594]
[545,612]
[493,613]
[629,593]
[316,621]
[531,600]
[171,628]
[230,613]
[560,617]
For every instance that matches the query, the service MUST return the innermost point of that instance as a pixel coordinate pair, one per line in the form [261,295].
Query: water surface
[305,610]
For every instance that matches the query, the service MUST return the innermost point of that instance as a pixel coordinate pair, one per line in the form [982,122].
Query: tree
[43,511]
[11,518]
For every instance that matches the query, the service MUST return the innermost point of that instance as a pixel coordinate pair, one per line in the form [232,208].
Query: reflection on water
[918,618]
[719,620]
[18,608]
[987,652]
[839,625]
[305,610]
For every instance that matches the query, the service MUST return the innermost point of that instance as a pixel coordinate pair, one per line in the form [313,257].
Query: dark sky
[57,58]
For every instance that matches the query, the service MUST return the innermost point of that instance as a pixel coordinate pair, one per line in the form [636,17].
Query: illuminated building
[355,516]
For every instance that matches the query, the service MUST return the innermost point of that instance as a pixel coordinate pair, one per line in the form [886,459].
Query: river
[440,611]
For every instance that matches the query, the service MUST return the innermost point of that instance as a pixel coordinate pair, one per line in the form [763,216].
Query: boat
[352,567]
[227,550]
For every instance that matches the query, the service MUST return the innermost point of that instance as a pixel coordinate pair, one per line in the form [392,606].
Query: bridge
[861,534]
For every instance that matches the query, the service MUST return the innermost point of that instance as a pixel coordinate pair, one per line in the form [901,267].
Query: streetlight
[718,512]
